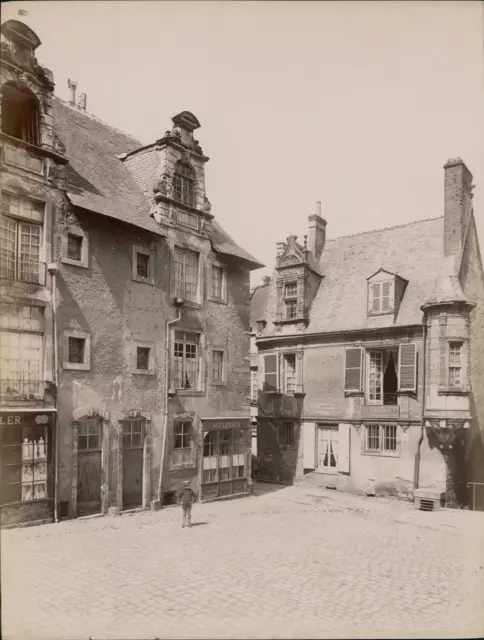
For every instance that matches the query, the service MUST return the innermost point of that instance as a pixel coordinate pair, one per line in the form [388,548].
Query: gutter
[53,268]
[330,334]
[167,386]
[416,475]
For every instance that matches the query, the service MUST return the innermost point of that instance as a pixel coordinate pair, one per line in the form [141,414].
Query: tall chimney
[72,84]
[317,233]
[457,204]
[81,103]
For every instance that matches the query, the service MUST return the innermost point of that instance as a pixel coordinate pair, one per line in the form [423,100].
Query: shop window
[24,464]
[20,114]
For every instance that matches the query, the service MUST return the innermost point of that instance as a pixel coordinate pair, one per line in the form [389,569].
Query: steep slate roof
[413,251]
[98,180]
[258,302]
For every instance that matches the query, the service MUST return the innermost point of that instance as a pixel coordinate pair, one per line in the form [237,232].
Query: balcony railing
[21,389]
[21,269]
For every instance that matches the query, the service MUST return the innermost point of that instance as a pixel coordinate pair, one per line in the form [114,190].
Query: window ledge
[349,394]
[406,392]
[292,321]
[380,454]
[76,366]
[144,280]
[299,394]
[190,392]
[143,372]
[218,383]
[75,263]
[184,465]
[453,392]
[372,314]
[218,300]
[191,305]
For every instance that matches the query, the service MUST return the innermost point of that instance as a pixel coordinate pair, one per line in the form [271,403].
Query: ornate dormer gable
[26,95]
[296,282]
[179,185]
[385,293]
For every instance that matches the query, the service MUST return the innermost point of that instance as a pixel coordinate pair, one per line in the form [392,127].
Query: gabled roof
[96,179]
[413,251]
[223,243]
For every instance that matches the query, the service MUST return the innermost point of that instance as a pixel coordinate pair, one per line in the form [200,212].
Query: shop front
[226,457]
[26,466]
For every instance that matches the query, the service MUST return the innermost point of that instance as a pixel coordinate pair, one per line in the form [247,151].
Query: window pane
[217,275]
[217,366]
[143,358]
[10,493]
[93,442]
[81,442]
[74,247]
[373,438]
[290,290]
[142,265]
[76,350]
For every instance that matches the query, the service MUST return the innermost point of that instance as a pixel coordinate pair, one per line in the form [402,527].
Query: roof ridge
[396,226]
[93,117]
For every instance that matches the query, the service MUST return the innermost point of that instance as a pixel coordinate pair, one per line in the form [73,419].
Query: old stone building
[125,310]
[370,368]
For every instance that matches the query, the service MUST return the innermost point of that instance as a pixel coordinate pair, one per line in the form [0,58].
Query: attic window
[183,184]
[381,298]
[290,299]
[20,114]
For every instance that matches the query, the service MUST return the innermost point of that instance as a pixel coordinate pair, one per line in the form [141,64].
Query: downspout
[416,475]
[167,386]
[53,272]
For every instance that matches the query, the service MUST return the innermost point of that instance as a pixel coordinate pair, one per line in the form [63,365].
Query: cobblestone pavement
[298,562]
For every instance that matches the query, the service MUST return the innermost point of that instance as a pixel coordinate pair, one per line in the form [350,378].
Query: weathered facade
[138,311]
[370,356]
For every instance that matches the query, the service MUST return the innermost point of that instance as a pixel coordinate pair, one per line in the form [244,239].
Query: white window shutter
[407,367]
[376,297]
[309,445]
[386,296]
[353,369]
[344,438]
[370,298]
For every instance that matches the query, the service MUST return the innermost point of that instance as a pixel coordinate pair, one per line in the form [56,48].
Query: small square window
[142,265]
[74,247]
[143,358]
[76,350]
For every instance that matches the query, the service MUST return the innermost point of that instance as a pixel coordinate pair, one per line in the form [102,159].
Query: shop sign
[214,424]
[24,419]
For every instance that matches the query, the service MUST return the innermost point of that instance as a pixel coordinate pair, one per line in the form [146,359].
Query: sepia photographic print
[241,320]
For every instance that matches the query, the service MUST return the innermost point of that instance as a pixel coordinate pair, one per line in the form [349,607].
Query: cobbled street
[291,562]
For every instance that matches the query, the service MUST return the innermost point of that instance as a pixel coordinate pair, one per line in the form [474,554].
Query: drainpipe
[416,476]
[53,269]
[167,387]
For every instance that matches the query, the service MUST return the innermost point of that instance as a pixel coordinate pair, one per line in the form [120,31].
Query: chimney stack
[266,280]
[317,233]
[81,103]
[72,84]
[457,204]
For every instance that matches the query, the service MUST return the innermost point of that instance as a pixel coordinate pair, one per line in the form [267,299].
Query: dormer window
[290,299]
[20,114]
[381,296]
[184,184]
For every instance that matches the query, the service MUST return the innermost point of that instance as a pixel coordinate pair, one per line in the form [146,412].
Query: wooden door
[132,463]
[89,467]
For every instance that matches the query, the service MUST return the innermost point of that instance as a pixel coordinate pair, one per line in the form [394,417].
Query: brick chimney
[457,204]
[81,103]
[317,233]
[72,84]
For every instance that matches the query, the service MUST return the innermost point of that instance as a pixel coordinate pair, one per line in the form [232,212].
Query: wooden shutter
[376,297]
[407,364]
[270,373]
[353,369]
[344,431]
[370,298]
[386,296]
[309,445]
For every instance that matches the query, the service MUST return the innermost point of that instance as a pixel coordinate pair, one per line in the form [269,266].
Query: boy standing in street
[187,497]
